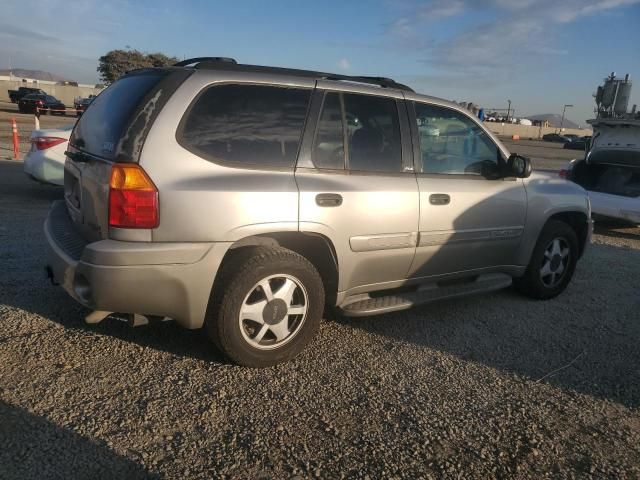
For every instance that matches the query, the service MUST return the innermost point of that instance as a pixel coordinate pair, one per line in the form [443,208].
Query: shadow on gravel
[32,447]
[617,229]
[586,340]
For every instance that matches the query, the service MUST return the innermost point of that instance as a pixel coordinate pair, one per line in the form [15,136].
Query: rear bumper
[46,167]
[165,279]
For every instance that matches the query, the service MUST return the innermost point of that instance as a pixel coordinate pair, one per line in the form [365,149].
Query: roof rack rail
[383,82]
[223,63]
[196,61]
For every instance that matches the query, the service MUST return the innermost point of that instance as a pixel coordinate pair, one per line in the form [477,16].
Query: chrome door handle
[328,200]
[439,199]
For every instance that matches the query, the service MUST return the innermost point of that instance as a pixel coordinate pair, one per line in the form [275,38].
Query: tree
[117,62]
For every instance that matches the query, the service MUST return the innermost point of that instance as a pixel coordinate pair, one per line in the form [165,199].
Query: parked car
[45,160]
[209,200]
[16,95]
[555,137]
[610,169]
[580,143]
[44,103]
[81,104]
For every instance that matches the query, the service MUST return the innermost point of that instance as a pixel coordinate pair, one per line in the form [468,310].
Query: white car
[610,171]
[45,160]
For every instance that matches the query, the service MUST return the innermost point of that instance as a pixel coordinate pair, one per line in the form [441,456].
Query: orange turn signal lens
[130,177]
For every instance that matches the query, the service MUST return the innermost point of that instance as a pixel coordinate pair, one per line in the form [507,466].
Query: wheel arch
[578,221]
[315,247]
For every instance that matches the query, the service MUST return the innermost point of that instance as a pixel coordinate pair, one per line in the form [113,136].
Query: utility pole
[508,110]
[562,120]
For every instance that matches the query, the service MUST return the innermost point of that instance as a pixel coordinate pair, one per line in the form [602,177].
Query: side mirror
[519,166]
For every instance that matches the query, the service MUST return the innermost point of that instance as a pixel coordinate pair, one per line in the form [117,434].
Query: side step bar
[365,305]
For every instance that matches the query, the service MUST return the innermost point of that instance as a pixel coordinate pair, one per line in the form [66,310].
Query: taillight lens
[42,143]
[133,198]
[563,173]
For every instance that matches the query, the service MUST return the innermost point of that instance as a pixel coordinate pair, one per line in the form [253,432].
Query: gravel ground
[495,386]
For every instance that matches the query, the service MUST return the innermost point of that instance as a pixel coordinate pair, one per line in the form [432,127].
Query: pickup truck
[16,95]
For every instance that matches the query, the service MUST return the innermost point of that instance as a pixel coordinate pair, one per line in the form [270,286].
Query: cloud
[438,9]
[14,32]
[519,29]
[344,64]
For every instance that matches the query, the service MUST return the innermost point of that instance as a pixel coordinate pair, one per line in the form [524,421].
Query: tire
[549,271]
[248,328]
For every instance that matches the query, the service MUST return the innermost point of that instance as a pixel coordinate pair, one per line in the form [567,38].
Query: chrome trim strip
[450,236]
[389,241]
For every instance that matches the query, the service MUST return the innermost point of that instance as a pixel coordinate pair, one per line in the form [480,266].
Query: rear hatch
[112,130]
[615,142]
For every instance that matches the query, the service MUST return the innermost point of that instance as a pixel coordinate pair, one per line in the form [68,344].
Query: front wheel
[265,306]
[552,263]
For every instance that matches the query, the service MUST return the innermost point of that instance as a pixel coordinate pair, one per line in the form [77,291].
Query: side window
[452,143]
[256,125]
[373,132]
[328,145]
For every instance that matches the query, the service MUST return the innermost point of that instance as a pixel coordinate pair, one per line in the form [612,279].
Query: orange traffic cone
[16,145]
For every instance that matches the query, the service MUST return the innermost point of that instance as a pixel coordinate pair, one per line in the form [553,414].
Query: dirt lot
[486,387]
[545,155]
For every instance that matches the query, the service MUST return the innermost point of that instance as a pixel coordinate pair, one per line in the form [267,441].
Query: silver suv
[247,199]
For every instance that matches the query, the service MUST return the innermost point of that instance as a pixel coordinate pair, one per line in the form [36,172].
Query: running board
[365,305]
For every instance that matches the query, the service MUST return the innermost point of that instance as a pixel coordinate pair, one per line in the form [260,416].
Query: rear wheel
[265,306]
[552,263]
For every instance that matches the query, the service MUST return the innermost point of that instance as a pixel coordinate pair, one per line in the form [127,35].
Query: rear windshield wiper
[77,156]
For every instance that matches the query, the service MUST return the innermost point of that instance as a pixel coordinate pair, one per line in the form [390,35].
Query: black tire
[531,283]
[237,280]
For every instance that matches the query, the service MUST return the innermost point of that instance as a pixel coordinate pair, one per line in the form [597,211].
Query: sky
[540,54]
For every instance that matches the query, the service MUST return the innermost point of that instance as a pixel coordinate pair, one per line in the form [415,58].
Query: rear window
[102,127]
[257,125]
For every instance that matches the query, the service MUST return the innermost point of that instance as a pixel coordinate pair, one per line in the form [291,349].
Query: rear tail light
[42,143]
[133,198]
[563,173]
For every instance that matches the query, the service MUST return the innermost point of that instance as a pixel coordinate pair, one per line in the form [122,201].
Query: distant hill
[35,74]
[554,119]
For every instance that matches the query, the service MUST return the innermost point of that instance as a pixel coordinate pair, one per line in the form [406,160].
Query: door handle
[328,200]
[439,199]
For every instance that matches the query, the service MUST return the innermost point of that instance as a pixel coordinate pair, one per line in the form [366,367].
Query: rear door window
[369,124]
[258,125]
[373,131]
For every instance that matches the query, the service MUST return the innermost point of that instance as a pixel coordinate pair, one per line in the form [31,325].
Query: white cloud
[438,9]
[521,29]
[344,64]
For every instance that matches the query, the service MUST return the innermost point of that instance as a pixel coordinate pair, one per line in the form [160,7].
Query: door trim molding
[388,241]
[427,239]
